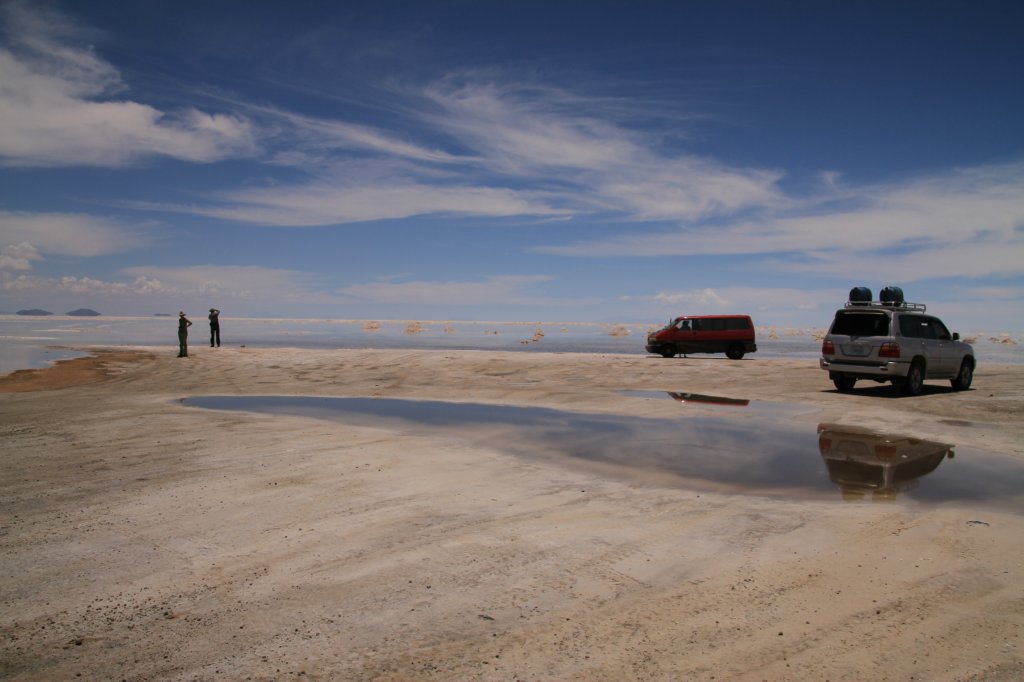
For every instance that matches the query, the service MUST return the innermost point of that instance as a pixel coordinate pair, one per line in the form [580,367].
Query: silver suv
[894,342]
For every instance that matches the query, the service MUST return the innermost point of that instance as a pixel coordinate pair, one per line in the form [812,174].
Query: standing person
[183,324]
[214,327]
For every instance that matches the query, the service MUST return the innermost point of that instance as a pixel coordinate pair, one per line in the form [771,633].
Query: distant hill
[34,311]
[162,315]
[83,312]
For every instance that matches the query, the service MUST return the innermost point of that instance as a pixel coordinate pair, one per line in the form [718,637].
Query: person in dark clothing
[183,324]
[214,327]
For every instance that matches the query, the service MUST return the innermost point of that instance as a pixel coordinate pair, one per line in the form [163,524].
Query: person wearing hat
[214,327]
[183,325]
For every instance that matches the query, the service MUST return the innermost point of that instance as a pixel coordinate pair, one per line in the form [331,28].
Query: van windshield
[678,323]
[850,323]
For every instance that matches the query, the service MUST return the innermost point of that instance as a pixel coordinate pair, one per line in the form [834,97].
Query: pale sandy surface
[143,539]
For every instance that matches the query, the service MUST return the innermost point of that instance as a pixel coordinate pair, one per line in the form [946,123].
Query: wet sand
[146,539]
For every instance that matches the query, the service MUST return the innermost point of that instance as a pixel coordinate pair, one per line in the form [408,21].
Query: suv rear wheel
[963,378]
[844,383]
[914,382]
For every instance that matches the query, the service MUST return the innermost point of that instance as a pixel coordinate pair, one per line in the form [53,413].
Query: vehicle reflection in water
[749,452]
[709,399]
[862,462]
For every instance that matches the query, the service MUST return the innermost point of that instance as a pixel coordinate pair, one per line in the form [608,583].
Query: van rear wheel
[734,352]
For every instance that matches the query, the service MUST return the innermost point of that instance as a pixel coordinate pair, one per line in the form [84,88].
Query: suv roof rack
[905,305]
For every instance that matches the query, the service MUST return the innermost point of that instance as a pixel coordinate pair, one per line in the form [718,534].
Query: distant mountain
[83,312]
[34,311]
[162,315]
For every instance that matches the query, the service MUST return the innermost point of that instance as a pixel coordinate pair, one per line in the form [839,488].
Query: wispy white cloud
[327,204]
[519,129]
[313,138]
[736,299]
[969,222]
[68,234]
[78,285]
[18,256]
[221,282]
[536,152]
[57,106]
[705,297]
[985,257]
[496,290]
[551,135]
[483,149]
[995,293]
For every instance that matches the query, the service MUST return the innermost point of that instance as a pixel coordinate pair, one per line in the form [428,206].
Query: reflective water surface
[686,397]
[763,456]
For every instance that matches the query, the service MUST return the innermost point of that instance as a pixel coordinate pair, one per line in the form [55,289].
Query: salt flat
[144,538]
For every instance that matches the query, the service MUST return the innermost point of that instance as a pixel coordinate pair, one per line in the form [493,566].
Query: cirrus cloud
[967,222]
[504,289]
[57,105]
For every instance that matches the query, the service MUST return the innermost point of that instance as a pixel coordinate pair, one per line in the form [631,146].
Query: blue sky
[549,161]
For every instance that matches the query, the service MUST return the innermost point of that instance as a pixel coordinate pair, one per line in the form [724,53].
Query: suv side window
[915,327]
[922,327]
[939,330]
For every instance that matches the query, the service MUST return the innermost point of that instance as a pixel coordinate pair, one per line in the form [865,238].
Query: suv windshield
[851,323]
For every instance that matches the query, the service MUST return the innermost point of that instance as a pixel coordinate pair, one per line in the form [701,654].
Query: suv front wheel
[963,378]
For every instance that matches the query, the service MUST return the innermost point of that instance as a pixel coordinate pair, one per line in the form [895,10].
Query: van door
[684,335]
[709,335]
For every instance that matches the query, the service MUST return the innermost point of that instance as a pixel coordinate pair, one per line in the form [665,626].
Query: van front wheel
[668,351]
[734,352]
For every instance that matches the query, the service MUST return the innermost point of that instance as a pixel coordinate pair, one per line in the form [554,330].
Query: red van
[729,334]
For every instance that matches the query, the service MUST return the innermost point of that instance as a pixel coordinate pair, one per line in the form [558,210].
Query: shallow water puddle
[759,455]
[684,397]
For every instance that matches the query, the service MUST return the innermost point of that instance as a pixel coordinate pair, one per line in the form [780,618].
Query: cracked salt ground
[762,455]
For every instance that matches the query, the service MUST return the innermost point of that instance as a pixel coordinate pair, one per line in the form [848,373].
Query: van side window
[736,323]
[684,325]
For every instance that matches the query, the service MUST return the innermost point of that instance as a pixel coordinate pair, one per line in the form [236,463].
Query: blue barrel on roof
[891,295]
[860,296]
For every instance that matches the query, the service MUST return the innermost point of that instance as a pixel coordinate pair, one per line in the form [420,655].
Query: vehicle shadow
[714,357]
[890,391]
